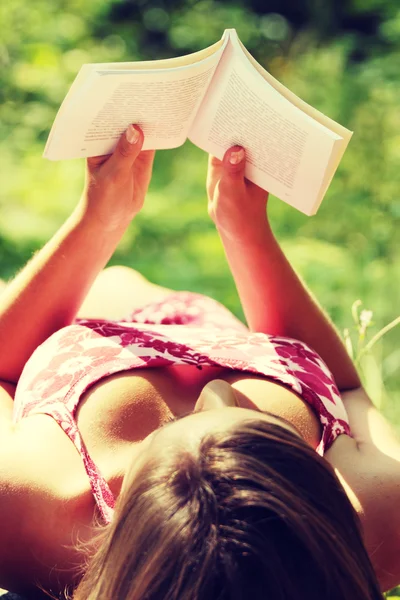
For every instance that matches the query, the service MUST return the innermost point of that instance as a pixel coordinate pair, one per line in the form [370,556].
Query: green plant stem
[377,337]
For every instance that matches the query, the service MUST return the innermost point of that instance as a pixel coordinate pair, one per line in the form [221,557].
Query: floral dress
[182,329]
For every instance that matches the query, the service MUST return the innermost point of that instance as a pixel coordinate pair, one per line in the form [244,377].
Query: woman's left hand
[236,205]
[116,184]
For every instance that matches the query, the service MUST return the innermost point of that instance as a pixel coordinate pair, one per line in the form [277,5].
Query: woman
[209,435]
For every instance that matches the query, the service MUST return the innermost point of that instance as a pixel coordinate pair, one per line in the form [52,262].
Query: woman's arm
[274,298]
[47,293]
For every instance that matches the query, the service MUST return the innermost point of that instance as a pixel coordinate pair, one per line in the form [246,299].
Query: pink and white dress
[183,329]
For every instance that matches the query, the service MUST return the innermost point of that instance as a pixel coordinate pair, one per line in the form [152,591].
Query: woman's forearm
[275,301]
[48,292]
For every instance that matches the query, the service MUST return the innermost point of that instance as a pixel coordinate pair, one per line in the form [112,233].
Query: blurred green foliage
[342,57]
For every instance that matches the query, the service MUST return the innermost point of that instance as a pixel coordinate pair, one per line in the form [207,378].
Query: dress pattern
[182,329]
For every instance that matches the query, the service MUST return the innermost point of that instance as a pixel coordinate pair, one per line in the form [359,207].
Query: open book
[217,98]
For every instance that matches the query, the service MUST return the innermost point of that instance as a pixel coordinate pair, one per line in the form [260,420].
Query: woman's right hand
[236,205]
[116,184]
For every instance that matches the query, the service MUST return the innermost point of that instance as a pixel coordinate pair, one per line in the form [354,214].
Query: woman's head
[247,510]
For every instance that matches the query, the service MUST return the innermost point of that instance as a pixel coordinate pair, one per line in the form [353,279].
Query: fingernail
[132,134]
[236,157]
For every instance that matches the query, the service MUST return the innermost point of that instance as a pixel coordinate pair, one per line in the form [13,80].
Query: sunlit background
[342,56]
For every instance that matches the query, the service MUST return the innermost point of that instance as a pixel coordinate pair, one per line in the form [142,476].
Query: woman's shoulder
[38,461]
[368,465]
[45,500]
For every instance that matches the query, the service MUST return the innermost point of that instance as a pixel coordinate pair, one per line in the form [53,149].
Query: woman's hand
[116,184]
[237,206]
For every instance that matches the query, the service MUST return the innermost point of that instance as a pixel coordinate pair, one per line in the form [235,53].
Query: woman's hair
[253,513]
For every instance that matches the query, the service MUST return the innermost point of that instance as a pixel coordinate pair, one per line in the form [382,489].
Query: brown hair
[254,513]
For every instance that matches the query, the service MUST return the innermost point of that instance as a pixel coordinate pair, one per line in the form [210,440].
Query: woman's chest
[127,407]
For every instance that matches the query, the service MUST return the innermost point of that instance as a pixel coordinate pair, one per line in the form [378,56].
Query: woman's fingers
[127,149]
[231,183]
[234,161]
[226,172]
[124,155]
[213,174]
[236,205]
[116,185]
[213,161]
[233,165]
[94,162]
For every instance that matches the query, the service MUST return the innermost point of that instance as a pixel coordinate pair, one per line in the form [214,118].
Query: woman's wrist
[247,234]
[82,217]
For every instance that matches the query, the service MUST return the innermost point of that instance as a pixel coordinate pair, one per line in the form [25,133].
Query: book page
[164,63]
[286,93]
[103,102]
[343,132]
[288,152]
